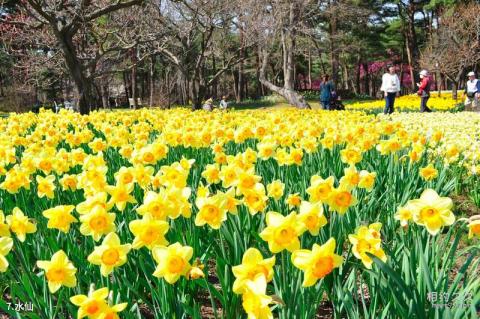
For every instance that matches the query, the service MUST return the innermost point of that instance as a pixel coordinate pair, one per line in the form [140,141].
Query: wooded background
[167,52]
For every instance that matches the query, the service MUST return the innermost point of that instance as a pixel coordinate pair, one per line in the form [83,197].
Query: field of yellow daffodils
[276,213]
[411,102]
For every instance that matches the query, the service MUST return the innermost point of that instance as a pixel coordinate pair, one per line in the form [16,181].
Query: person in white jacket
[391,89]
[223,103]
[472,92]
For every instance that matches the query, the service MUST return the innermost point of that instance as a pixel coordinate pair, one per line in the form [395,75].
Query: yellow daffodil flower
[255,199]
[110,254]
[46,186]
[282,232]
[293,200]
[429,172]
[276,189]
[212,174]
[20,224]
[148,232]
[367,180]
[311,215]
[6,244]
[252,264]
[172,261]
[211,211]
[341,199]
[59,271]
[121,195]
[320,189]
[367,240]
[97,223]
[4,229]
[93,305]
[60,217]
[474,228]
[318,262]
[432,211]
[255,301]
[404,214]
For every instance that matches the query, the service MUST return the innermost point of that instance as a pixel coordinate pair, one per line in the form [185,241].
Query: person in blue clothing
[326,90]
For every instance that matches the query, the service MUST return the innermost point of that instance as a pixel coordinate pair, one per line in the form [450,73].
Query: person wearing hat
[208,106]
[391,88]
[472,92]
[424,91]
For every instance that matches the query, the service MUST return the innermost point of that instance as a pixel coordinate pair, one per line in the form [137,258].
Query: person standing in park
[472,92]
[391,88]
[223,103]
[424,91]
[326,90]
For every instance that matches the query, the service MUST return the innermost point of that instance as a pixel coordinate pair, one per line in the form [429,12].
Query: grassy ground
[372,106]
[273,102]
[278,102]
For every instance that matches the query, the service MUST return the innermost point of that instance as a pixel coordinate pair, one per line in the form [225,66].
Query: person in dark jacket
[424,91]
[326,90]
[336,102]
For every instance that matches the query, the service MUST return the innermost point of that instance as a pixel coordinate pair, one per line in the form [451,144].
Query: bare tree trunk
[373,87]
[198,91]
[2,92]
[143,83]
[320,55]
[241,75]
[179,88]
[104,93]
[354,88]
[134,78]
[412,35]
[410,65]
[288,43]
[186,91]
[357,75]
[64,85]
[246,87]
[214,84]
[309,69]
[152,80]
[235,86]
[333,52]
[287,30]
[193,94]
[295,77]
[401,76]
[438,78]
[322,65]
[85,102]
[260,91]
[456,82]
[82,82]
[125,84]
[287,92]
[454,90]
[345,76]
[366,79]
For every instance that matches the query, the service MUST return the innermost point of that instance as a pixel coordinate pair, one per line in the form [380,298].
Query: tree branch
[110,8]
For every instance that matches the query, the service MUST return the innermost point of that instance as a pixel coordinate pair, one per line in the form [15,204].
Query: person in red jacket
[424,91]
